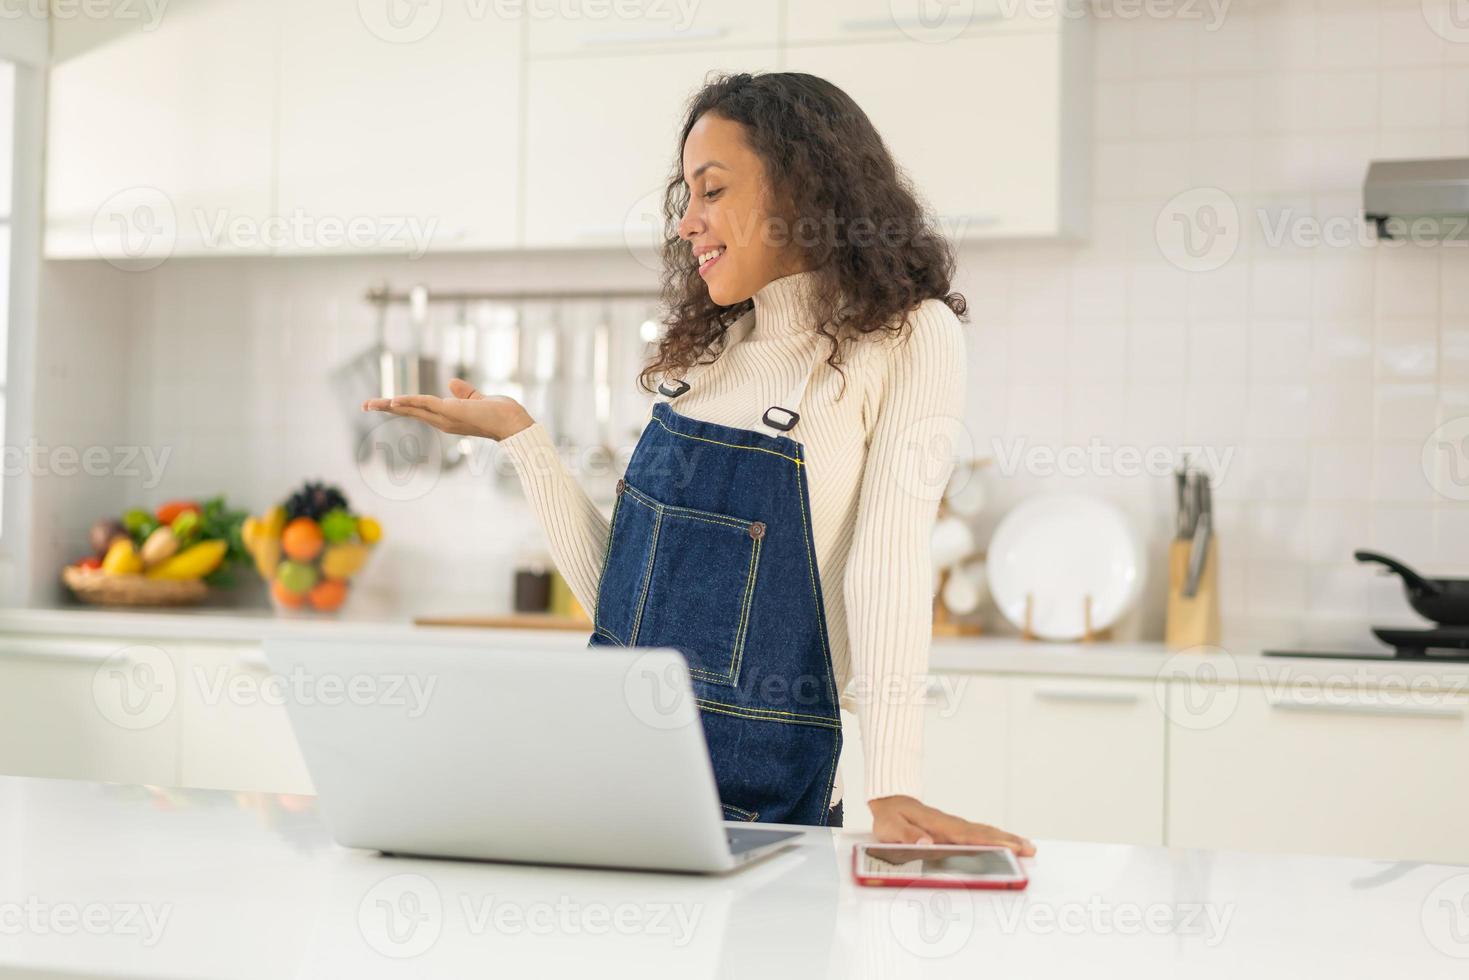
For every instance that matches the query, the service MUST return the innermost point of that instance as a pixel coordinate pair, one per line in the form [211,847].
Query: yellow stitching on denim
[606,550]
[647,578]
[811,574]
[609,634]
[716,442]
[741,633]
[749,815]
[688,513]
[767,714]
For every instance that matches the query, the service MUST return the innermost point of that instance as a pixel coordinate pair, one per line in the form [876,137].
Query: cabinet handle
[872,24]
[1086,697]
[72,655]
[641,37]
[1364,708]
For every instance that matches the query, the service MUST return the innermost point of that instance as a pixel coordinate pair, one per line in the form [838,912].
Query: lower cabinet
[88,709]
[1371,773]
[1085,760]
[234,716]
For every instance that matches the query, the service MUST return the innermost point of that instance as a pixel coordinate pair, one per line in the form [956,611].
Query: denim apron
[711,553]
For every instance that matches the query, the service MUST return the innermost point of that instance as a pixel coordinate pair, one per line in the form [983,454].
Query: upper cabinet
[414,138]
[657,26]
[274,127]
[998,148]
[596,165]
[161,133]
[919,20]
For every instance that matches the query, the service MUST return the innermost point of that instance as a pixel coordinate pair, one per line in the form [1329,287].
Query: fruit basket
[309,549]
[168,557]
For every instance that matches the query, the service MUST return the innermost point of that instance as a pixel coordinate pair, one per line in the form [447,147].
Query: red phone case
[892,882]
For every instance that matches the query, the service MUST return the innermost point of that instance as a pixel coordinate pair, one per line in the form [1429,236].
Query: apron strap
[779,419]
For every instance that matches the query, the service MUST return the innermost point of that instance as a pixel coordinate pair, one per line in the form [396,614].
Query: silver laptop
[446,748]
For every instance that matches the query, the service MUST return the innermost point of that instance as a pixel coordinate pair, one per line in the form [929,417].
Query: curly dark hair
[876,253]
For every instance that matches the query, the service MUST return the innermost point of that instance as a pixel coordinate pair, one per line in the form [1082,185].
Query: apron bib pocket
[683,576]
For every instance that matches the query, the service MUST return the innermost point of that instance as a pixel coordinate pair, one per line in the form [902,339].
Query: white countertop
[108,880]
[985,654]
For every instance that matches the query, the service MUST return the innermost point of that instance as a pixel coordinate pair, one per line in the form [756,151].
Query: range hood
[1419,199]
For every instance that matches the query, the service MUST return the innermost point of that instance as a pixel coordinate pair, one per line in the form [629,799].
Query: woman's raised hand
[466,413]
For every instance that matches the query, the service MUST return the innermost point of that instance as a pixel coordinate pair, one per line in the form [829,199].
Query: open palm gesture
[466,413]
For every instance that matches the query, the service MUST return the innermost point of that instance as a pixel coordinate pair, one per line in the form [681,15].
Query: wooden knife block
[1192,621]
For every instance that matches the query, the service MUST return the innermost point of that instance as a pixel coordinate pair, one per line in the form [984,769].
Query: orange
[302,539]
[284,596]
[328,594]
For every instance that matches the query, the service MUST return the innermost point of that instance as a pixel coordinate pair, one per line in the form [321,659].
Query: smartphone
[937,866]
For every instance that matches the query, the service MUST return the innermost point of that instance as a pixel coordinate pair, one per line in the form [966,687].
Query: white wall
[1321,369]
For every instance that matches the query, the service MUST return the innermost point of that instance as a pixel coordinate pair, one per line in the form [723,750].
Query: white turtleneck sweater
[877,462]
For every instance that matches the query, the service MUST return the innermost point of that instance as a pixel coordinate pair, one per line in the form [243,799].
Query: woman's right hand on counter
[467,413]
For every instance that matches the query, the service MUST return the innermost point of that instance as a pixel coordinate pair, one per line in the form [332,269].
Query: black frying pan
[1443,600]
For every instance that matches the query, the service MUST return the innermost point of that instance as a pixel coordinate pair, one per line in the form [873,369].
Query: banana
[195,561]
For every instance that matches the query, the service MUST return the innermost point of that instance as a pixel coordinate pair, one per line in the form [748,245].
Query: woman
[773,526]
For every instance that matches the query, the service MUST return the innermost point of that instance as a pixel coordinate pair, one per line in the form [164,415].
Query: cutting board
[514,621]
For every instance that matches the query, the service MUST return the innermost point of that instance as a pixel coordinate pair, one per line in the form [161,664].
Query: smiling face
[728,221]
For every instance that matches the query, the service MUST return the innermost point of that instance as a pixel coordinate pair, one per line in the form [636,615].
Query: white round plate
[1060,548]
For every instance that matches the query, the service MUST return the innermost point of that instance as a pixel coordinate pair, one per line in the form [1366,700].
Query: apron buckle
[782,426]
[683,387]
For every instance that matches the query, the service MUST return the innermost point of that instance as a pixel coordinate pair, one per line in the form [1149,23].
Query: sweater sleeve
[576,529]
[888,587]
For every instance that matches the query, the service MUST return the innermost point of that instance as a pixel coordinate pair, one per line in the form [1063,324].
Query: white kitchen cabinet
[161,140]
[1372,773]
[601,140]
[966,741]
[921,20]
[417,142]
[237,733]
[656,26]
[1000,149]
[964,749]
[1086,759]
[88,709]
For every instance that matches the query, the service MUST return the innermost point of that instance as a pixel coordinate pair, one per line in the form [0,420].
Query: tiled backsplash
[1313,372]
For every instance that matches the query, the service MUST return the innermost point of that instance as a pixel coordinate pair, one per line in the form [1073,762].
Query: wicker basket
[96,586]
